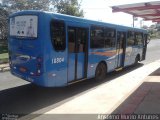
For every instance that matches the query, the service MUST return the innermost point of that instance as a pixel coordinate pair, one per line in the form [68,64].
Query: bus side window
[71,39]
[109,37]
[58,35]
[97,37]
[81,36]
[138,38]
[120,39]
[130,38]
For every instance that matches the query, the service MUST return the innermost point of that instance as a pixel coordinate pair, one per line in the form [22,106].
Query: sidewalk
[4,67]
[146,99]
[135,92]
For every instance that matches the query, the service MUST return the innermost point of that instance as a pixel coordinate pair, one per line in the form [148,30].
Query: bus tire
[101,71]
[136,60]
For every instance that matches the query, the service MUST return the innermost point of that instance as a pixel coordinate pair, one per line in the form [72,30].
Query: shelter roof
[146,10]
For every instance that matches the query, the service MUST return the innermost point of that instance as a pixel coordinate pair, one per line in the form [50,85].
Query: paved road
[153,51]
[18,96]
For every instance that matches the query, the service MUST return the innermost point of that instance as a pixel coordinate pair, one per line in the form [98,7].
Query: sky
[100,10]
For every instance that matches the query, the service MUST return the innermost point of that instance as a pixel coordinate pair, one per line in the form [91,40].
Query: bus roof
[76,19]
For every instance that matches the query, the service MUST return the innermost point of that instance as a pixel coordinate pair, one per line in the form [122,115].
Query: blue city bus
[54,50]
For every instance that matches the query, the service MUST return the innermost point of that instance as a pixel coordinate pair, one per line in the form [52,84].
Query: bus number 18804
[57,60]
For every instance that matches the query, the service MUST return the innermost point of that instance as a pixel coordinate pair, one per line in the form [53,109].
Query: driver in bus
[30,29]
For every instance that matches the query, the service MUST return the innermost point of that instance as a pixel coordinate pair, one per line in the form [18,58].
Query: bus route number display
[57,60]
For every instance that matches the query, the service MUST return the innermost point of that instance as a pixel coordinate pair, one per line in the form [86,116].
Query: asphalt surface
[153,51]
[20,97]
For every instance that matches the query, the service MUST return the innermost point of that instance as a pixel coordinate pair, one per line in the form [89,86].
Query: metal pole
[133,20]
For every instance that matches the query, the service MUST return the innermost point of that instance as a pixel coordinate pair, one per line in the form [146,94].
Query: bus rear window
[58,35]
[24,26]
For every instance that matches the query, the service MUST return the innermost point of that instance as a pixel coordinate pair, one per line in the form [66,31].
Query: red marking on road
[134,101]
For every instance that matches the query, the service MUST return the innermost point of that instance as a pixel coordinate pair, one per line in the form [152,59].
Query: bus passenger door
[121,47]
[77,53]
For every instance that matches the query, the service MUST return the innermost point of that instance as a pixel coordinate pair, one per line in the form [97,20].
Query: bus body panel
[55,70]
[24,52]
[59,68]
[98,55]
[131,53]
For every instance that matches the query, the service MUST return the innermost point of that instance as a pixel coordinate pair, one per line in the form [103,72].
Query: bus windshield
[24,26]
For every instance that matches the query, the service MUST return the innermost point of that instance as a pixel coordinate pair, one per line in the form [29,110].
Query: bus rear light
[38,65]
[22,69]
[39,59]
[38,72]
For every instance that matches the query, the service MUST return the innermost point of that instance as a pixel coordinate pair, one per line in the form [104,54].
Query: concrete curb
[4,67]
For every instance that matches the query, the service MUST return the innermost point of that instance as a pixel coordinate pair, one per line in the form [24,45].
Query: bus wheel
[136,60]
[101,71]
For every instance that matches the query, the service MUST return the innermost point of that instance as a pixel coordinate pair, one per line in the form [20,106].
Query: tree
[145,27]
[3,24]
[19,5]
[69,7]
[158,26]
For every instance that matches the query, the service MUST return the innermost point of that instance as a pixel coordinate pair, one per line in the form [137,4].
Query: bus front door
[121,45]
[77,53]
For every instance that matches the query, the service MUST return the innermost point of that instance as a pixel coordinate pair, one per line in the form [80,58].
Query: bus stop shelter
[147,10]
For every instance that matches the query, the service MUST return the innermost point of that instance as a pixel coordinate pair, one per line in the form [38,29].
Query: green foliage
[69,7]
[19,5]
[4,56]
[3,49]
[145,27]
[3,24]
[154,31]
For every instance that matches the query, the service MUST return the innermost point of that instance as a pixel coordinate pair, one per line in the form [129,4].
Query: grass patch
[3,61]
[3,49]
[3,52]
[4,56]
